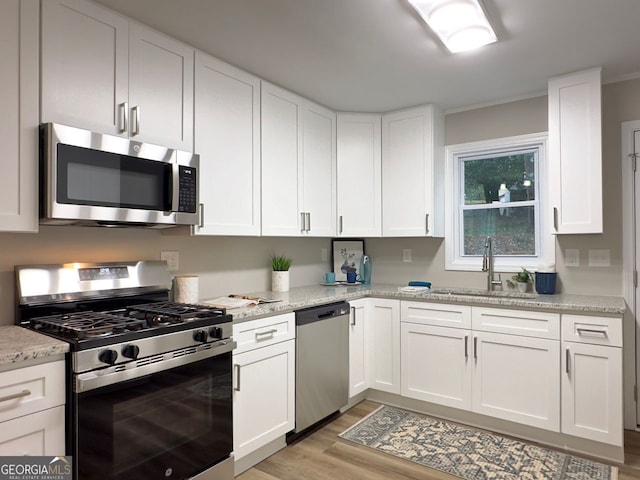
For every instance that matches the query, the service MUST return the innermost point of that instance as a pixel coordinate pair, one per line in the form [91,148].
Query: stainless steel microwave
[89,178]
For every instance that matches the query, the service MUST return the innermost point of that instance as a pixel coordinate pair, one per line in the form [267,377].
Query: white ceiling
[378,55]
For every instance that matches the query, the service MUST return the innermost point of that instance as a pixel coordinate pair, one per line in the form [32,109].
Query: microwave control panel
[187,196]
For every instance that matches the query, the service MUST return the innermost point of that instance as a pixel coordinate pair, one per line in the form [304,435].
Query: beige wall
[236,264]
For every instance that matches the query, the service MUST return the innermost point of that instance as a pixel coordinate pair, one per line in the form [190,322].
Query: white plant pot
[280,281]
[522,287]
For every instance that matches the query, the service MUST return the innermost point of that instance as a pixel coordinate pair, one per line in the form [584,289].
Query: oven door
[171,424]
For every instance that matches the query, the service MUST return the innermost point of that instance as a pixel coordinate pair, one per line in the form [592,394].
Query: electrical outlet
[406,255]
[324,254]
[172,258]
[600,258]
[572,257]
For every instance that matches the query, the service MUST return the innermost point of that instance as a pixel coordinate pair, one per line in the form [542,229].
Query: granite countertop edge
[18,344]
[303,297]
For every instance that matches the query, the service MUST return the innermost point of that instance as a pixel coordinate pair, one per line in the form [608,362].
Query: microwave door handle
[175,187]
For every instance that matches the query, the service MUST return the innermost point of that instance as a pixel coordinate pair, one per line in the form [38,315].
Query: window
[496,188]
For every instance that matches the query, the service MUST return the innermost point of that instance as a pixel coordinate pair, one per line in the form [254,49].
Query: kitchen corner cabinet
[412,160]
[19,124]
[359,171]
[32,418]
[358,347]
[298,165]
[227,138]
[383,325]
[575,152]
[264,382]
[106,74]
[592,405]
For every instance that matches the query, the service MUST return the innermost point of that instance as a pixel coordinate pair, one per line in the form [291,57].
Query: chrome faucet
[487,265]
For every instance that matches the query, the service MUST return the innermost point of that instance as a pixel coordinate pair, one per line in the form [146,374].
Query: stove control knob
[215,332]
[200,336]
[108,356]
[131,351]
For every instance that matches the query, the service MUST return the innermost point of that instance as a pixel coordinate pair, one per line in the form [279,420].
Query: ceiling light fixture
[460,24]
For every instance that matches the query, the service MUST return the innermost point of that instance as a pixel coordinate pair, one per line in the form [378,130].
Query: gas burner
[83,325]
[168,313]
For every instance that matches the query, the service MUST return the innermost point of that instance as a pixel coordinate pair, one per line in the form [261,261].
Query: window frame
[454,171]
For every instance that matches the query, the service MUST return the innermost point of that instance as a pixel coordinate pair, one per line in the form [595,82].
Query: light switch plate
[172,258]
[406,255]
[572,257]
[324,254]
[600,258]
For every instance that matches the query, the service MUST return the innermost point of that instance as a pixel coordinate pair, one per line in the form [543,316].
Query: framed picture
[345,256]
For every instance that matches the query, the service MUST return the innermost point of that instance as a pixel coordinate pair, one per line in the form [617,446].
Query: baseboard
[255,457]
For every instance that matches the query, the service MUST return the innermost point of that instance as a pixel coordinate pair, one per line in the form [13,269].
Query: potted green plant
[521,280]
[280,265]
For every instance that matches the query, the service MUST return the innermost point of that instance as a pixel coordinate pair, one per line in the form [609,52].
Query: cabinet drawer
[591,329]
[31,389]
[38,434]
[264,331]
[438,314]
[516,322]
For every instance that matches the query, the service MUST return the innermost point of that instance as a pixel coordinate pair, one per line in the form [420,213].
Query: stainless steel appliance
[149,381]
[322,364]
[89,178]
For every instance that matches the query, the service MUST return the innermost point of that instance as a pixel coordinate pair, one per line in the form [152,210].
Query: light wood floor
[325,456]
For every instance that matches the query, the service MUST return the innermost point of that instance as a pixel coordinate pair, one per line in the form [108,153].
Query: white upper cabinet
[575,152]
[359,168]
[100,75]
[160,89]
[19,122]
[298,165]
[227,138]
[412,156]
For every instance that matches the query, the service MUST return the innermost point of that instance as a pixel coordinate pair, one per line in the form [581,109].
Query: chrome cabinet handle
[466,346]
[353,315]
[475,348]
[591,330]
[268,332]
[303,222]
[427,223]
[567,360]
[340,227]
[123,117]
[308,215]
[23,393]
[555,218]
[201,219]
[135,121]
[237,368]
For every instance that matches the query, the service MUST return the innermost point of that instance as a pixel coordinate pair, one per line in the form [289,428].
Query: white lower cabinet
[358,347]
[592,405]
[517,378]
[32,413]
[384,345]
[264,387]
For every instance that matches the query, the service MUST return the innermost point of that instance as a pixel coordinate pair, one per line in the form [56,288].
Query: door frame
[629,255]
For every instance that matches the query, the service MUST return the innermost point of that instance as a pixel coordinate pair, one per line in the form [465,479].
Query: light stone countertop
[18,344]
[303,297]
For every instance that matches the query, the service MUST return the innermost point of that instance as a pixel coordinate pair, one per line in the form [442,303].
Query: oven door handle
[87,381]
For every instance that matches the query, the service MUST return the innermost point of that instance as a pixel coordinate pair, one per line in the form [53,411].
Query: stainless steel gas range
[149,380]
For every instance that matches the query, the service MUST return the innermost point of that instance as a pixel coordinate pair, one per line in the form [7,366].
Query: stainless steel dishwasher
[322,364]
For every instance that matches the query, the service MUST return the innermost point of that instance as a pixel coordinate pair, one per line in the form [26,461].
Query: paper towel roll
[186,289]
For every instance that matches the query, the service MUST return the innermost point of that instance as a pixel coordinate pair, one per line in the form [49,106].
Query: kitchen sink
[481,293]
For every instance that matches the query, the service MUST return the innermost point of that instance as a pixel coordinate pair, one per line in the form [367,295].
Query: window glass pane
[512,230]
[504,178]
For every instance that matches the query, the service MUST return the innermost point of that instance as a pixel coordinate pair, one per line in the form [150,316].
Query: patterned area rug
[468,453]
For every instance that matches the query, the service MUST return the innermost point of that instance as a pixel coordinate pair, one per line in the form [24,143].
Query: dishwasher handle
[320,313]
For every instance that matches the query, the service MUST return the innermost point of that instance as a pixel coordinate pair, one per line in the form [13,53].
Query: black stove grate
[85,325]
[172,312]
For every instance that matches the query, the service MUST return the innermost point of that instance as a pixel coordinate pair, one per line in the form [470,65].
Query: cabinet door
[383,326]
[85,66]
[37,434]
[359,187]
[358,347]
[227,138]
[281,162]
[408,162]
[263,397]
[517,378]
[160,89]
[19,122]
[319,170]
[592,392]
[436,364]
[575,152]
